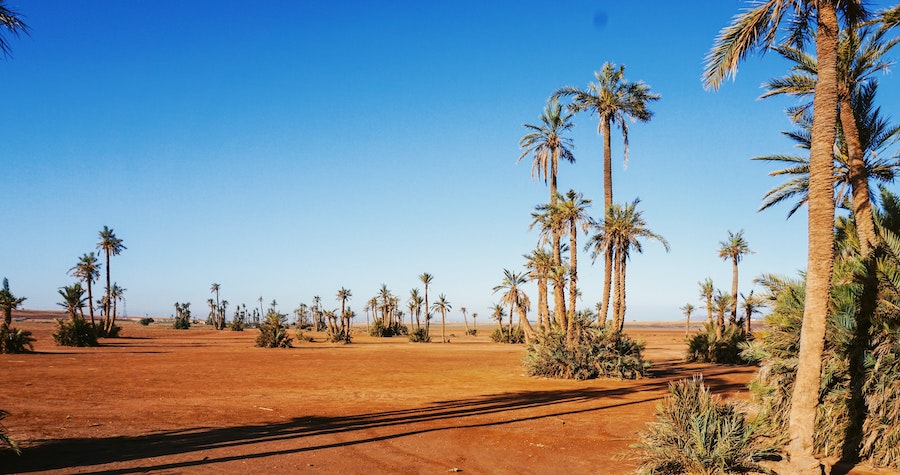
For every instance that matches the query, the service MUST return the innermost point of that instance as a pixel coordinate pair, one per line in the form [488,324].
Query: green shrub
[881,428]
[5,438]
[111,333]
[705,347]
[237,325]
[75,332]
[695,433]
[379,329]
[419,335]
[303,337]
[145,321]
[14,340]
[338,335]
[505,335]
[595,353]
[273,332]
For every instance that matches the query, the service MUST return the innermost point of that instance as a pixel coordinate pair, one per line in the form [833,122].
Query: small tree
[182,316]
[273,332]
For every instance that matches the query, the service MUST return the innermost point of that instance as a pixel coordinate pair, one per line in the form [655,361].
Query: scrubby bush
[273,332]
[696,433]
[594,353]
[145,321]
[303,337]
[75,332]
[419,335]
[5,438]
[379,329]
[112,332]
[338,335]
[505,335]
[705,347]
[237,325]
[14,340]
[472,331]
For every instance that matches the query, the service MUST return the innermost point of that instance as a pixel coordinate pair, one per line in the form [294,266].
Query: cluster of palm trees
[615,101]
[87,270]
[849,42]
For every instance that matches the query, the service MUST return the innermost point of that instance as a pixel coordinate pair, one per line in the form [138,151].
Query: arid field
[159,400]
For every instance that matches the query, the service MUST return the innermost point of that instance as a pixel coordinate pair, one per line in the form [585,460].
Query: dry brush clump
[593,353]
[695,432]
[273,332]
[706,346]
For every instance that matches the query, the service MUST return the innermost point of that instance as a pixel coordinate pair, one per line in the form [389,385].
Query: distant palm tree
[573,211]
[343,295]
[474,323]
[111,246]
[463,310]
[88,270]
[215,288]
[497,313]
[707,290]
[442,305]
[426,279]
[601,319]
[262,312]
[73,300]
[551,224]
[721,302]
[751,304]
[688,309]
[735,247]
[11,22]
[539,263]
[757,28]
[8,302]
[118,293]
[514,295]
[221,319]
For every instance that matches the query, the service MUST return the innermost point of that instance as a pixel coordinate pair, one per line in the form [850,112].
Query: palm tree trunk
[525,325]
[90,302]
[859,181]
[734,292]
[573,280]
[687,324]
[108,292]
[543,305]
[559,298]
[607,283]
[621,305]
[709,312]
[802,416]
[443,330]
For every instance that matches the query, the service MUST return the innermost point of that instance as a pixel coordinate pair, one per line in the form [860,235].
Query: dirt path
[201,401]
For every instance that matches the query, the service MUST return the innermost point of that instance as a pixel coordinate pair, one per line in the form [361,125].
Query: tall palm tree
[442,305]
[573,212]
[463,311]
[118,293]
[111,246]
[551,224]
[622,230]
[539,263]
[758,27]
[514,295]
[721,302]
[344,295]
[861,54]
[688,309]
[10,21]
[88,270]
[734,248]
[215,288]
[426,279]
[616,102]
[707,290]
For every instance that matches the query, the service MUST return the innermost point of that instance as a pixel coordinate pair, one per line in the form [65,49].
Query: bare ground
[159,400]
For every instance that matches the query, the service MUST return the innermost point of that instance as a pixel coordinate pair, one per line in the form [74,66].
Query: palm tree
[73,299]
[442,305]
[262,312]
[757,27]
[474,323]
[118,293]
[861,54]
[343,295]
[573,211]
[8,302]
[514,295]
[622,231]
[688,309]
[539,263]
[497,313]
[721,302]
[616,102]
[426,279]
[88,270]
[11,22]
[221,319]
[462,310]
[212,319]
[215,288]
[111,246]
[707,290]
[551,224]
[601,320]
[751,304]
[734,248]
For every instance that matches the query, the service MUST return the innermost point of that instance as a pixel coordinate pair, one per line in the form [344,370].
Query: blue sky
[287,149]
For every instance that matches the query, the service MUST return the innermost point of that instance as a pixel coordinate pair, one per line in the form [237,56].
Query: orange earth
[160,400]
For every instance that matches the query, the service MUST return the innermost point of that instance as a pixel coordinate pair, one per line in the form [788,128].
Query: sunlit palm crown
[546,139]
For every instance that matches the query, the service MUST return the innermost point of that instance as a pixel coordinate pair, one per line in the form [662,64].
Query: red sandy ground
[159,400]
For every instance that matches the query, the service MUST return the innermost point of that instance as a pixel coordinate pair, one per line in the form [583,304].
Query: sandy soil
[200,401]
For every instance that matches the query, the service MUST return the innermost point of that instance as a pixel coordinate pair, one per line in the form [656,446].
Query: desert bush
[595,353]
[338,335]
[273,332]
[14,340]
[112,332]
[419,335]
[472,331]
[696,433]
[145,321]
[4,438]
[75,332]
[379,329]
[705,347]
[303,337]
[237,325]
[505,335]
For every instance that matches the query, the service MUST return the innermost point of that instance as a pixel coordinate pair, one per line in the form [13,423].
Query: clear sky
[286,149]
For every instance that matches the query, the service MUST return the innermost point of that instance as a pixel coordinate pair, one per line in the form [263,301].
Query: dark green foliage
[145,321]
[379,329]
[516,335]
[695,433]
[595,353]
[237,325]
[182,316]
[881,429]
[75,332]
[14,340]
[5,438]
[273,332]
[704,347]
[338,335]
[419,335]
[112,332]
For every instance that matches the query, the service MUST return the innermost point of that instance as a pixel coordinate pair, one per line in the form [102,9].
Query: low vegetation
[594,353]
[4,438]
[273,332]
[711,346]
